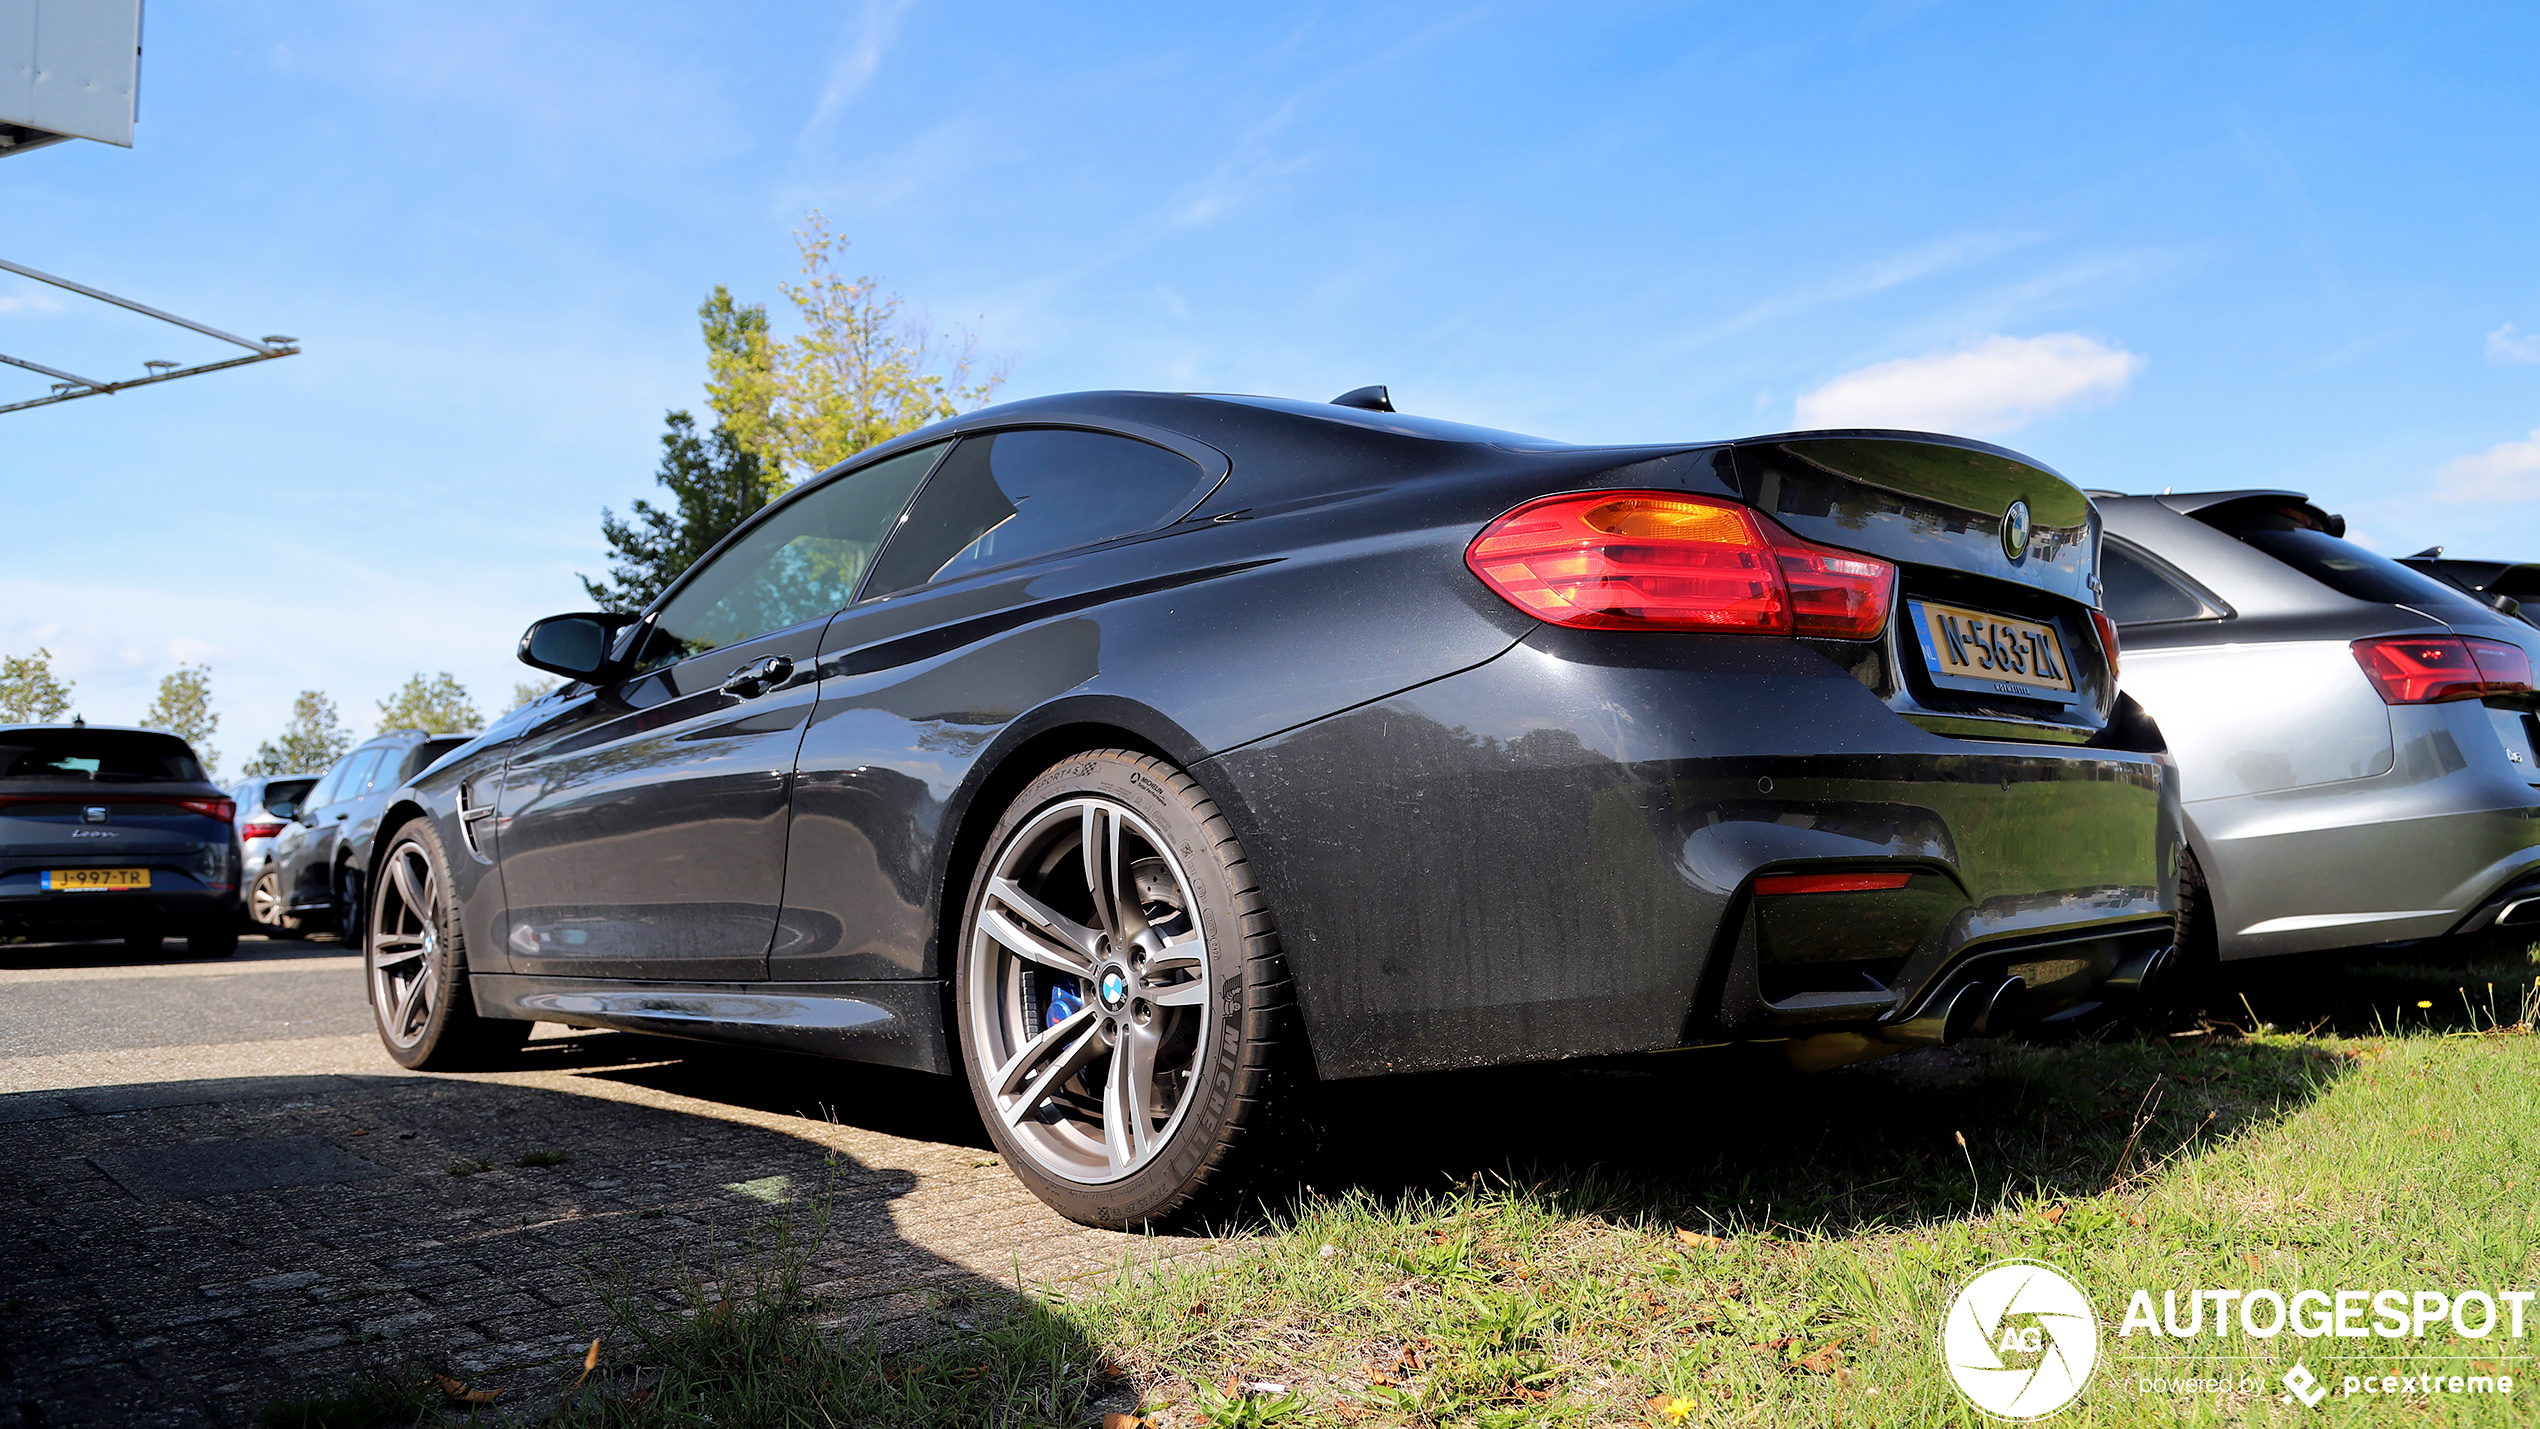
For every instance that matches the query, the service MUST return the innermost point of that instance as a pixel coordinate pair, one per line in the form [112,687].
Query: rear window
[2137,592]
[2290,532]
[100,756]
[283,796]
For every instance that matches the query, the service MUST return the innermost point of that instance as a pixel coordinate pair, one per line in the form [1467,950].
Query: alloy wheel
[404,947]
[264,902]
[1090,1009]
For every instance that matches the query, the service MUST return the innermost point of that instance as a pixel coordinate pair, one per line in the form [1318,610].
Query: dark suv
[114,833]
[318,857]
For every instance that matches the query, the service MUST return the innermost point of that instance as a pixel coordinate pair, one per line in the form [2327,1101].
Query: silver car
[265,806]
[2354,738]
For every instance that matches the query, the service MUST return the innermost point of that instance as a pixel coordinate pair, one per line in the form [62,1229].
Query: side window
[2136,592]
[801,563]
[356,780]
[324,793]
[1013,495]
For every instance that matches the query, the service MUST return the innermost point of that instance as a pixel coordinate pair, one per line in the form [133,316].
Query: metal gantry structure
[70,386]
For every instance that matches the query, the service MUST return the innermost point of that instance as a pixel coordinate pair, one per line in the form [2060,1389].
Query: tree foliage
[315,738]
[30,693]
[714,485]
[530,692]
[436,706]
[858,374]
[184,709]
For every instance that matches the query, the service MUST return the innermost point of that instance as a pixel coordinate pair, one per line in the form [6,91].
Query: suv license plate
[95,880]
[1978,650]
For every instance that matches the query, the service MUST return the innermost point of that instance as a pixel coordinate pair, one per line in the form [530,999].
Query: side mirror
[575,646]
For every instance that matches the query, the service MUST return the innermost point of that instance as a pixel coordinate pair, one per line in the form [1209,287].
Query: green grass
[1699,1240]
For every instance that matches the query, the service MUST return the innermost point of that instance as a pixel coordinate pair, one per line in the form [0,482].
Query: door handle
[751,681]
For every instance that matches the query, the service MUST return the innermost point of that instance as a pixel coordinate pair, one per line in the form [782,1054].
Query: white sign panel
[68,69]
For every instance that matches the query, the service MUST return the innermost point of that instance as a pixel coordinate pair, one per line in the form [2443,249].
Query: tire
[1183,970]
[414,965]
[265,910]
[2194,978]
[212,942]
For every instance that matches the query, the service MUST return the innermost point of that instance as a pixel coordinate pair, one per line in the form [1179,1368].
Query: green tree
[858,374]
[714,485]
[184,709]
[530,692]
[315,738]
[435,706]
[30,693]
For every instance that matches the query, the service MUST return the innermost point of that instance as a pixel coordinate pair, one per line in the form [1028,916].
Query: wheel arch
[1020,754]
[392,822]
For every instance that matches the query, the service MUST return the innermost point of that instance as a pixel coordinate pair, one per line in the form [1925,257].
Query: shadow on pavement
[183,1252]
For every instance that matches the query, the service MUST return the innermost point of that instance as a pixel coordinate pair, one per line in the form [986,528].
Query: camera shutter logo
[2020,1340]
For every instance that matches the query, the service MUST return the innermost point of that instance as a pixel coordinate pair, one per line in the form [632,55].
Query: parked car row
[1137,756]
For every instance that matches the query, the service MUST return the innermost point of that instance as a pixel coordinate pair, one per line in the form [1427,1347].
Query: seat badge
[94,813]
[2015,530]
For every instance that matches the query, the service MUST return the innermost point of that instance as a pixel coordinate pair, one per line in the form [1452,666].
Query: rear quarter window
[1010,496]
[2136,591]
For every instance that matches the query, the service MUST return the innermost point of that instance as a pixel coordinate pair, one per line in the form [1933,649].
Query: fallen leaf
[1698,1238]
[2256,1267]
[1824,1360]
[2052,1215]
[1118,1420]
[1348,1411]
[590,1362]
[459,1392]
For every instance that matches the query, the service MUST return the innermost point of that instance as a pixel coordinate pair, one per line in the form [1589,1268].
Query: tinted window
[2135,592]
[328,783]
[283,796]
[429,753]
[2349,569]
[1015,495]
[801,563]
[102,756]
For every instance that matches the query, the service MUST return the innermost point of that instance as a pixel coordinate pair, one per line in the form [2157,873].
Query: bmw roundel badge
[1114,987]
[2015,530]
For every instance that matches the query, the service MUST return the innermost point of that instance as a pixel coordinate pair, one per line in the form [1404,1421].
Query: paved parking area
[218,1186]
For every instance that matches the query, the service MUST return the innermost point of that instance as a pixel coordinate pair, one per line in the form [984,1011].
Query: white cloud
[857,64]
[1994,385]
[2505,472]
[2503,347]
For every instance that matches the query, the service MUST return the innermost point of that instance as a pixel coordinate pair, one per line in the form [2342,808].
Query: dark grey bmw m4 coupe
[1138,756]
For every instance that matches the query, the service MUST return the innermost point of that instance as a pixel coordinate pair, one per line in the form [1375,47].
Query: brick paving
[196,1228]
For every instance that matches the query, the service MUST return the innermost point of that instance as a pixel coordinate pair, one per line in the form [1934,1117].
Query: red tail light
[225,810]
[1657,560]
[2107,629]
[258,831]
[2429,669]
[1830,882]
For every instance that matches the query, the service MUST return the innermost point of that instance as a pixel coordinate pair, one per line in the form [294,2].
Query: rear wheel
[1121,1002]
[265,907]
[414,961]
[212,942]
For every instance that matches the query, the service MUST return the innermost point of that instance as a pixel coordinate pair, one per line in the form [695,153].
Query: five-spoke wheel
[416,965]
[1118,989]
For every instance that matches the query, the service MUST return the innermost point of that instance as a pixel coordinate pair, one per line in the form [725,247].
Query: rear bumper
[71,915]
[2431,846]
[1555,854]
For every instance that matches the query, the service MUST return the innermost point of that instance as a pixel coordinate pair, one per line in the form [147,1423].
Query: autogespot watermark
[2020,1340]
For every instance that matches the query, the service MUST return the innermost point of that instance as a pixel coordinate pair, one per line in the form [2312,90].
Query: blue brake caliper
[1066,1000]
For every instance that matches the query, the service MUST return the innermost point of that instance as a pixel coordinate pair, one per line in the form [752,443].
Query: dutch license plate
[68,880]
[1978,650]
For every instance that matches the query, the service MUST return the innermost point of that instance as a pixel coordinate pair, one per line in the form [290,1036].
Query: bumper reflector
[1778,883]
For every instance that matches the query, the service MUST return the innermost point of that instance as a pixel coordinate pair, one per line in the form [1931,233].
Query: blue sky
[2154,245]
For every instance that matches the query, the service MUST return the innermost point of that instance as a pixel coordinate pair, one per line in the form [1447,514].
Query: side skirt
[898,1023]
